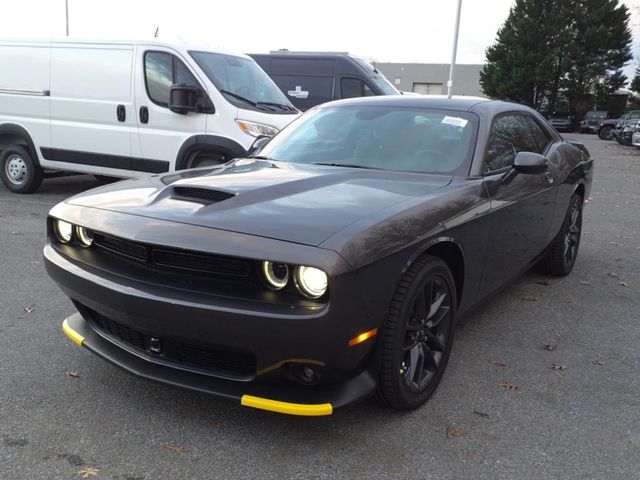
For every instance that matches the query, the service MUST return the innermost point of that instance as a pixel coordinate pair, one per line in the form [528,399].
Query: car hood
[293,202]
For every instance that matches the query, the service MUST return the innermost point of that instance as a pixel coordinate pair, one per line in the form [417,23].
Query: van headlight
[312,282]
[256,129]
[63,230]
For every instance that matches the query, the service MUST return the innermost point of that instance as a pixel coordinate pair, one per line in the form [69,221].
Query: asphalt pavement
[543,382]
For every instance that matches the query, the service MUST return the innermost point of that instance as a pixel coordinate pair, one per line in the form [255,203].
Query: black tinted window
[509,135]
[354,87]
[162,70]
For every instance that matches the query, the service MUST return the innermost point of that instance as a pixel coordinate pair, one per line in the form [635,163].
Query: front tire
[605,133]
[19,172]
[417,337]
[563,251]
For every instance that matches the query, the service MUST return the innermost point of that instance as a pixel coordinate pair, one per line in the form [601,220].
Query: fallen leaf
[584,282]
[544,283]
[481,414]
[454,432]
[175,448]
[613,274]
[496,363]
[549,347]
[616,244]
[598,362]
[623,284]
[28,309]
[88,472]
[72,374]
[530,298]
[510,386]
[555,366]
[617,259]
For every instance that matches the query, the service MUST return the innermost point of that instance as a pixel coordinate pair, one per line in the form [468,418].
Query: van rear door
[92,118]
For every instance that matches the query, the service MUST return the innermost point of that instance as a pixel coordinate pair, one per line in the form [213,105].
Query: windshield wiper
[259,105]
[282,106]
[349,165]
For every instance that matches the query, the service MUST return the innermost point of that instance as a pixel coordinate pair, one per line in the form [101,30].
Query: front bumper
[277,339]
[635,139]
[294,400]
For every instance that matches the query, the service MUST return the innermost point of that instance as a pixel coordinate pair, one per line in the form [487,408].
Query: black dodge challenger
[333,263]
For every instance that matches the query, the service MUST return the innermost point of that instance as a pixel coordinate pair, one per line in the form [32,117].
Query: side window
[305,91]
[510,134]
[354,87]
[161,70]
[537,139]
[158,73]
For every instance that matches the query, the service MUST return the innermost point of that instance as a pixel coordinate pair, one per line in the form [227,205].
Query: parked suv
[561,121]
[120,109]
[625,127]
[592,121]
[309,79]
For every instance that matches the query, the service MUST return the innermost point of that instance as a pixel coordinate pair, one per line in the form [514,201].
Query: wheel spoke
[435,306]
[433,342]
[416,364]
[429,358]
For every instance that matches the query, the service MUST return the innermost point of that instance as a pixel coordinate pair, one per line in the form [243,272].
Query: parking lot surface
[543,382]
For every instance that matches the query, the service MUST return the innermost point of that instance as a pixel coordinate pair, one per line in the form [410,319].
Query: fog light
[63,230]
[85,236]
[276,274]
[305,374]
[312,282]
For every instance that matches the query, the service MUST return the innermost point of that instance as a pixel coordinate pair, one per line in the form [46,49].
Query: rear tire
[417,337]
[19,172]
[563,251]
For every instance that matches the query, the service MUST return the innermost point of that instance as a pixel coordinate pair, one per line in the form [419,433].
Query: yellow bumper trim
[71,333]
[286,407]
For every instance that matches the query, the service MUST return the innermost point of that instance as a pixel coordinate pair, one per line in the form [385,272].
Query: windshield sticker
[455,121]
[298,92]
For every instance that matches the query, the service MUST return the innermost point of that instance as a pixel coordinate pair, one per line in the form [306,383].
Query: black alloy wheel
[563,251]
[417,338]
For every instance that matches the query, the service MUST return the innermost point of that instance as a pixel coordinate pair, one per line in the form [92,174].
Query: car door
[162,132]
[522,205]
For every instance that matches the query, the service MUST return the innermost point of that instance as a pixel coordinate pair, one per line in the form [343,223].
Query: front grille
[175,259]
[207,359]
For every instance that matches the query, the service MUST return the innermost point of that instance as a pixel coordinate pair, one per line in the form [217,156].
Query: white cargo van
[124,108]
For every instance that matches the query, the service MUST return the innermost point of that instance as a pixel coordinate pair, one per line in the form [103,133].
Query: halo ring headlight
[63,230]
[85,236]
[276,274]
[312,282]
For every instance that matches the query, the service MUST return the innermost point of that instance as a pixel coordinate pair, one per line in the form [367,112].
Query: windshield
[384,85]
[243,82]
[379,137]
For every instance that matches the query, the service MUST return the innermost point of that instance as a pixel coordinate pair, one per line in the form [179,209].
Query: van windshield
[242,82]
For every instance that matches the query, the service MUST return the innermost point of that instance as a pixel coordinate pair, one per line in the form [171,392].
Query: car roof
[441,102]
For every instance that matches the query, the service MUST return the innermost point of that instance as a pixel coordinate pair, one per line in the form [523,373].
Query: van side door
[92,118]
[161,132]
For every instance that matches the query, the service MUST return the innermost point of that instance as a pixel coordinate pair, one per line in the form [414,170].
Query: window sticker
[455,121]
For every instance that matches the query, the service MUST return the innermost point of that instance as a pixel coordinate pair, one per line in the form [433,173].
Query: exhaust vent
[203,195]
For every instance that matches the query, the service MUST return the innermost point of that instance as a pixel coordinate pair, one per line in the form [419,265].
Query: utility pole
[455,50]
[66,14]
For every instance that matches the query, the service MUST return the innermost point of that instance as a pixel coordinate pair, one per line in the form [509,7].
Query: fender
[13,130]
[229,147]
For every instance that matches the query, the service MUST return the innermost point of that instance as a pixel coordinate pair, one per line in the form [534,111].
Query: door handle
[144,115]
[121,113]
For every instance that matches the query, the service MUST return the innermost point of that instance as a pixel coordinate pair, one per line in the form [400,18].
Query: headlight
[63,230]
[85,236]
[312,282]
[276,274]
[256,129]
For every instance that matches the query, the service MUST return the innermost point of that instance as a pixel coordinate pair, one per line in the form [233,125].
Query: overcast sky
[390,31]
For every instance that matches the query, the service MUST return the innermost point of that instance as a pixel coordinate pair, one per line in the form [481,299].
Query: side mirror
[187,98]
[530,163]
[259,144]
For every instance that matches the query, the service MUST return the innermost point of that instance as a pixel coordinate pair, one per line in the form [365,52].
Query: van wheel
[19,172]
[206,159]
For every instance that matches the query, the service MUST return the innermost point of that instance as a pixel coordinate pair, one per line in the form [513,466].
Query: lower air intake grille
[209,359]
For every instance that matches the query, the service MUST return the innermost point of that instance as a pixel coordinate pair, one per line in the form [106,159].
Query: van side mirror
[187,98]
[530,163]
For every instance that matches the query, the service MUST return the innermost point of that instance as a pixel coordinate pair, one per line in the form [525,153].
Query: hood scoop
[201,195]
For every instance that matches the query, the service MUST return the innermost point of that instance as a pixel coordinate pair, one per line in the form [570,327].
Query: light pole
[66,15]
[455,50]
